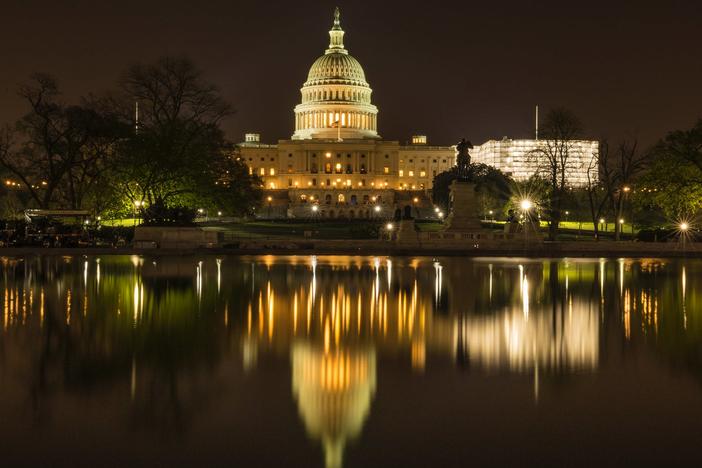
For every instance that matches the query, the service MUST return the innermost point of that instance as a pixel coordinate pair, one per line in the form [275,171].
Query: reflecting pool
[349,361]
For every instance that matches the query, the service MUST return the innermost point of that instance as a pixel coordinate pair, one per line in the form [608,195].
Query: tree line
[102,154]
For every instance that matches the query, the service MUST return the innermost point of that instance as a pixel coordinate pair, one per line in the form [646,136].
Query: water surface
[349,361]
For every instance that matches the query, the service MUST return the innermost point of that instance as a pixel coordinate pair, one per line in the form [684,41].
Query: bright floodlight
[602,220]
[684,226]
[526,205]
[315,207]
[377,208]
[621,220]
[389,226]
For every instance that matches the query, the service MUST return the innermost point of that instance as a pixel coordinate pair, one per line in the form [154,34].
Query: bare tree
[598,193]
[628,164]
[555,160]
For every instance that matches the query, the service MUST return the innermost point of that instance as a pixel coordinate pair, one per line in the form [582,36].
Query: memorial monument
[463,204]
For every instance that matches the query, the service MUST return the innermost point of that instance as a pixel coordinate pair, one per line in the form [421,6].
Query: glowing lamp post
[526,205]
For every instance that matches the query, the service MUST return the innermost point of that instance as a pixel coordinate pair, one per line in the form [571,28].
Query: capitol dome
[336,98]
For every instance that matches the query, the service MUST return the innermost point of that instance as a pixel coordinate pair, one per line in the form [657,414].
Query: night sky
[445,69]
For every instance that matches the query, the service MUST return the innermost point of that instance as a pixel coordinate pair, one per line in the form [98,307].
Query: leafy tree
[491,185]
[673,182]
[178,152]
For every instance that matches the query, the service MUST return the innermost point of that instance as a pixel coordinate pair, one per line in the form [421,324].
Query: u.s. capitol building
[336,164]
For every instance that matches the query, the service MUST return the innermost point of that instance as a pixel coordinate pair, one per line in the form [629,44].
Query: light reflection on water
[153,340]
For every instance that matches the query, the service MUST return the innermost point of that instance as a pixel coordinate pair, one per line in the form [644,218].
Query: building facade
[336,164]
[522,159]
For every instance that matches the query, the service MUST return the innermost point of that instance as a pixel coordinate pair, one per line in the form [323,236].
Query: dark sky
[447,69]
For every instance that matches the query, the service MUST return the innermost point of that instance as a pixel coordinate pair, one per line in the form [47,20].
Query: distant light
[436,209]
[490,212]
[389,227]
[621,220]
[626,188]
[602,220]
[87,221]
[200,210]
[99,218]
[416,199]
[219,213]
[684,226]
[526,204]
[567,213]
[315,208]
[441,214]
[377,208]
[269,198]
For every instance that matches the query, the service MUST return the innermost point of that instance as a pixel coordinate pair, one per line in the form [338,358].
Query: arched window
[363,168]
[341,198]
[327,199]
[354,200]
[349,169]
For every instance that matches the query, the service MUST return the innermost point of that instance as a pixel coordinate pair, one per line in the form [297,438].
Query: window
[313,168]
[290,155]
[327,199]
[386,170]
[263,159]
[348,155]
[341,198]
[402,173]
[290,168]
[262,171]
[338,168]
[289,182]
[328,182]
[314,182]
[349,169]
[387,156]
[422,174]
[327,168]
[272,159]
[363,168]
[251,171]
[272,171]
[411,173]
[434,161]
[411,160]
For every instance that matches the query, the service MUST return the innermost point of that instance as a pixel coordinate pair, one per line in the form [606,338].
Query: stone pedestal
[464,215]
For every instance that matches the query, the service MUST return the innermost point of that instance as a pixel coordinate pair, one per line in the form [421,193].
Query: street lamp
[526,205]
[684,226]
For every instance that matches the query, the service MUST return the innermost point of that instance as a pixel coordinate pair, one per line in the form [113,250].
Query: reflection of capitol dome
[334,392]
[336,99]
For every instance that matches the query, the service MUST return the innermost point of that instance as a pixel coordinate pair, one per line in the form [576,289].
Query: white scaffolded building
[521,159]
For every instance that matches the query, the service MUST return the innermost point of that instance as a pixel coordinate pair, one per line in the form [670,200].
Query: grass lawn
[342,229]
